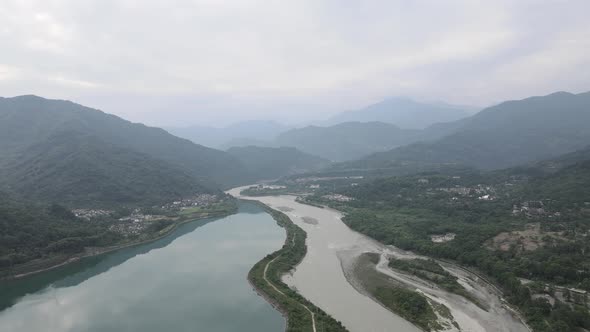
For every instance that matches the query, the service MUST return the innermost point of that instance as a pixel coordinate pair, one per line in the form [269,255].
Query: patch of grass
[412,306]
[430,270]
[408,304]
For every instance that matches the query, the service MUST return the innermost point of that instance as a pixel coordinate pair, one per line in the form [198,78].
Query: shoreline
[274,304]
[287,302]
[319,277]
[486,282]
[465,317]
[105,250]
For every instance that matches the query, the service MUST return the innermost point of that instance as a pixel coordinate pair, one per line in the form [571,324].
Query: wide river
[192,280]
[320,276]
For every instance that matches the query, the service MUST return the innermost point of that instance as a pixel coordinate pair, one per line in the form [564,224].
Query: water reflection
[76,273]
[194,282]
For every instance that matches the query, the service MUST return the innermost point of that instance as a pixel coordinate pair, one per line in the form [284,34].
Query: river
[320,277]
[192,280]
[333,249]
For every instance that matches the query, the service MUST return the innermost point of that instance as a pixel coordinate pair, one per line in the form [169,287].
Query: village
[138,220]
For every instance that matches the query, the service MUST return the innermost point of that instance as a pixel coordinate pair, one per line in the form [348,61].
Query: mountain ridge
[504,135]
[403,112]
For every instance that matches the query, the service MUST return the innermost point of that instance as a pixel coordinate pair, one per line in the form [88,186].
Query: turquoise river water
[192,280]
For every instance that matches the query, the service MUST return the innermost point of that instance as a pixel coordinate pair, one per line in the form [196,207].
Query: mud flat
[326,277]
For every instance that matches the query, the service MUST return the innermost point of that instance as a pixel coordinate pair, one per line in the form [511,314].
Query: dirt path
[279,291]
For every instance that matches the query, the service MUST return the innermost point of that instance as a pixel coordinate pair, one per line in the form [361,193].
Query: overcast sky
[198,62]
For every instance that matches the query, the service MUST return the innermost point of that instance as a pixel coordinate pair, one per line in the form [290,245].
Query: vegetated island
[265,277]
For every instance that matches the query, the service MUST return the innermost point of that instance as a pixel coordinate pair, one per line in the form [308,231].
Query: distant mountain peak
[505,135]
[560,93]
[403,112]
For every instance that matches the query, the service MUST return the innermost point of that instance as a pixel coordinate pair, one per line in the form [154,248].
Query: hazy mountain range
[347,141]
[59,150]
[349,135]
[277,162]
[55,150]
[404,113]
[241,133]
[505,135]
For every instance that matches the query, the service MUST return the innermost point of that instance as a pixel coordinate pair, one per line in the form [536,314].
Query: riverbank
[182,273]
[332,242]
[361,272]
[320,278]
[266,277]
[52,263]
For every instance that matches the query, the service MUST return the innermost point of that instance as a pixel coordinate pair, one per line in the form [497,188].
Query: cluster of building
[272,186]
[327,178]
[89,214]
[138,217]
[533,209]
[134,227]
[193,201]
[137,221]
[443,238]
[484,193]
[338,198]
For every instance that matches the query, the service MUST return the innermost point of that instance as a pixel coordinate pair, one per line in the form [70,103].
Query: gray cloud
[174,62]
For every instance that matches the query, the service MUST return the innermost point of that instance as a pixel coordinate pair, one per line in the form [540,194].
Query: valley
[423,229]
[294,166]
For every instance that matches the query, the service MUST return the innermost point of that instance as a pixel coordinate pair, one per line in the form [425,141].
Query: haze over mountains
[277,162]
[349,140]
[58,156]
[241,133]
[505,135]
[56,149]
[405,113]
[347,136]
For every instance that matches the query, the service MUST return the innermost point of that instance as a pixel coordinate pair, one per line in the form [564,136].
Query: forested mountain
[347,141]
[403,112]
[28,231]
[239,134]
[570,184]
[78,169]
[59,150]
[555,164]
[243,142]
[272,163]
[509,134]
[26,120]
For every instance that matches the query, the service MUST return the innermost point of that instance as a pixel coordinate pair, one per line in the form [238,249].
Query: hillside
[569,159]
[59,151]
[347,141]
[77,169]
[272,163]
[403,112]
[27,121]
[568,186]
[29,231]
[506,135]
